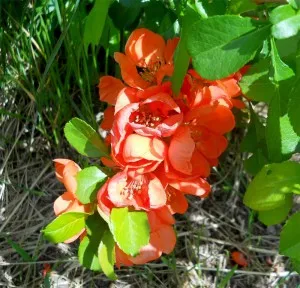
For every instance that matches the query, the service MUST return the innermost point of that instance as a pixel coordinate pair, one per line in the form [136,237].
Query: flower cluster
[162,145]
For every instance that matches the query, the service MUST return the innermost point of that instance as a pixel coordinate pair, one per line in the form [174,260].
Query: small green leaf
[256,84]
[269,187]
[221,45]
[293,107]
[225,281]
[65,226]
[84,138]
[281,13]
[286,22]
[95,22]
[89,181]
[240,6]
[289,244]
[277,215]
[295,3]
[87,253]
[88,249]
[182,58]
[281,70]
[25,256]
[106,255]
[130,229]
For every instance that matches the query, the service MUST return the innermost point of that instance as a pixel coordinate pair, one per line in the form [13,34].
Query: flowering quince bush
[166,121]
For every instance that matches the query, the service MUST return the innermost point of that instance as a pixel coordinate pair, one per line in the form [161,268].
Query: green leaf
[240,6]
[211,8]
[159,19]
[279,128]
[289,244]
[87,253]
[277,215]
[255,137]
[84,138]
[256,84]
[25,256]
[124,13]
[295,3]
[95,225]
[65,226]
[225,281]
[221,45]
[89,181]
[130,229]
[269,187]
[182,58]
[106,255]
[286,22]
[296,265]
[88,249]
[281,13]
[95,22]
[293,107]
[281,70]
[255,162]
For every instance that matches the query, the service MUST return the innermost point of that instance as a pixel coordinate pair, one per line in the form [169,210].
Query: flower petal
[69,173]
[59,167]
[108,119]
[144,47]
[109,88]
[210,144]
[160,236]
[129,72]
[170,49]
[177,203]
[137,147]
[149,252]
[63,203]
[125,97]
[121,258]
[156,192]
[181,150]
[197,187]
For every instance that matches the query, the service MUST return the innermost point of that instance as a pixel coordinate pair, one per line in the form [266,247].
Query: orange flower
[239,258]
[138,154]
[200,91]
[46,270]
[147,59]
[177,185]
[162,239]
[66,171]
[199,142]
[157,116]
[142,191]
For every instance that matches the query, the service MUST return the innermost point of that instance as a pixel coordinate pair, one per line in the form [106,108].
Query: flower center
[147,119]
[148,71]
[133,187]
[149,115]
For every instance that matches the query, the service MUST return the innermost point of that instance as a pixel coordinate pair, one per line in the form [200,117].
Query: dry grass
[207,234]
